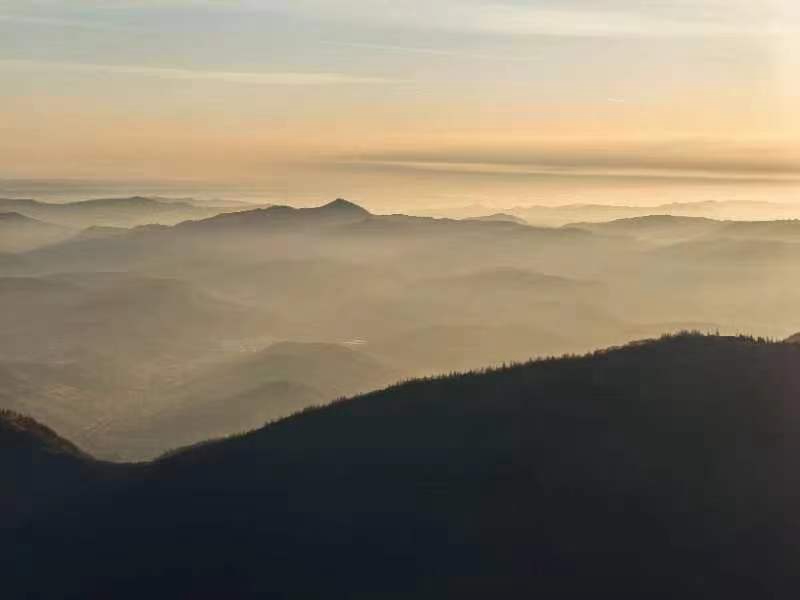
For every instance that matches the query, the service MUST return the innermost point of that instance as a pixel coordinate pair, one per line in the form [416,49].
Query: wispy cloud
[580,18]
[60,23]
[433,52]
[241,77]
[694,158]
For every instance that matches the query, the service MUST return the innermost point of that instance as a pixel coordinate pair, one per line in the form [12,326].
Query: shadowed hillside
[39,469]
[664,469]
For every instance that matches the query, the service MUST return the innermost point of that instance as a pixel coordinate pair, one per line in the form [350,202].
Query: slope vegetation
[664,469]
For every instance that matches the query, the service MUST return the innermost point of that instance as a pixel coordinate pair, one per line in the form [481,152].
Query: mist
[134,339]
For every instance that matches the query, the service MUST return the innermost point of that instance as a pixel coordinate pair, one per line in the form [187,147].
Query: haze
[407,105]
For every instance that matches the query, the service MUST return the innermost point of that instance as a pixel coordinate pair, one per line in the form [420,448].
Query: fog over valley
[134,339]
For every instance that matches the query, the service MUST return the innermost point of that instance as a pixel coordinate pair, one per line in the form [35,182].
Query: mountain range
[118,212]
[559,215]
[107,335]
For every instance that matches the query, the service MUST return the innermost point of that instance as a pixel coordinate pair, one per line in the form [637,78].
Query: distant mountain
[795,339]
[509,278]
[783,230]
[656,228]
[558,216]
[503,217]
[19,233]
[664,469]
[118,212]
[338,230]
[244,393]
[85,352]
[722,250]
[66,316]
[337,212]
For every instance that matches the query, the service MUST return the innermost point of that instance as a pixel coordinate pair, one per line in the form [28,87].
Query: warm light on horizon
[247,92]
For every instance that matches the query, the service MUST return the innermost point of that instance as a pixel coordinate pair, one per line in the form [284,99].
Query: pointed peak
[340,205]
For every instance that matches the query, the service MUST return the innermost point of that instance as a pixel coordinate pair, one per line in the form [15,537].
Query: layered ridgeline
[663,469]
[119,212]
[19,233]
[107,336]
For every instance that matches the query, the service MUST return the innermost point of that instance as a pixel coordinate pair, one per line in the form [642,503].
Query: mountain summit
[342,206]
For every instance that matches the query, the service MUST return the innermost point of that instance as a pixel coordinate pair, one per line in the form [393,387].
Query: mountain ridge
[617,473]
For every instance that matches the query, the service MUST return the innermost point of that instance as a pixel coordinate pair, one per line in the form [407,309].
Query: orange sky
[259,92]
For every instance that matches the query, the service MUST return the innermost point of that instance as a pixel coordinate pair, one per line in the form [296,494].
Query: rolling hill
[663,469]
[19,233]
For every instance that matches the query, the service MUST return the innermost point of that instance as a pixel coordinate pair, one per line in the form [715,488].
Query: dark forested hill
[39,468]
[664,469]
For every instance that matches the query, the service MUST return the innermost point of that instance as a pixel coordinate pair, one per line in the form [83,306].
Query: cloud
[568,18]
[241,77]
[578,18]
[38,21]
[695,158]
[434,52]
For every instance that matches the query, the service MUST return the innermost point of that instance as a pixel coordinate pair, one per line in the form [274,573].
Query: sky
[405,101]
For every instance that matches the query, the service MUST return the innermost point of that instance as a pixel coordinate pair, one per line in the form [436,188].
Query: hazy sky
[388,91]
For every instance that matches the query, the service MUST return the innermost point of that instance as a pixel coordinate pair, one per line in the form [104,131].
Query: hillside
[663,469]
[38,468]
[19,233]
[245,392]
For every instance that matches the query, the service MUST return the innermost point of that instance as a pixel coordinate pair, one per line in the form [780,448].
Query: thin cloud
[241,77]
[704,18]
[433,52]
[58,23]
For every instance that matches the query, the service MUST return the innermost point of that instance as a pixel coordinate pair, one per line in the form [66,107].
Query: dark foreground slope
[665,469]
[40,471]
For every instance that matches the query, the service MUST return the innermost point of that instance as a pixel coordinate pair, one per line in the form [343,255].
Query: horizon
[415,105]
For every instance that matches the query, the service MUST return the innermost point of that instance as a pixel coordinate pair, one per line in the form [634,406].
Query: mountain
[337,212]
[663,469]
[733,252]
[781,231]
[503,217]
[245,392]
[87,352]
[19,233]
[657,228]
[118,212]
[557,216]
[65,316]
[795,339]
[38,467]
